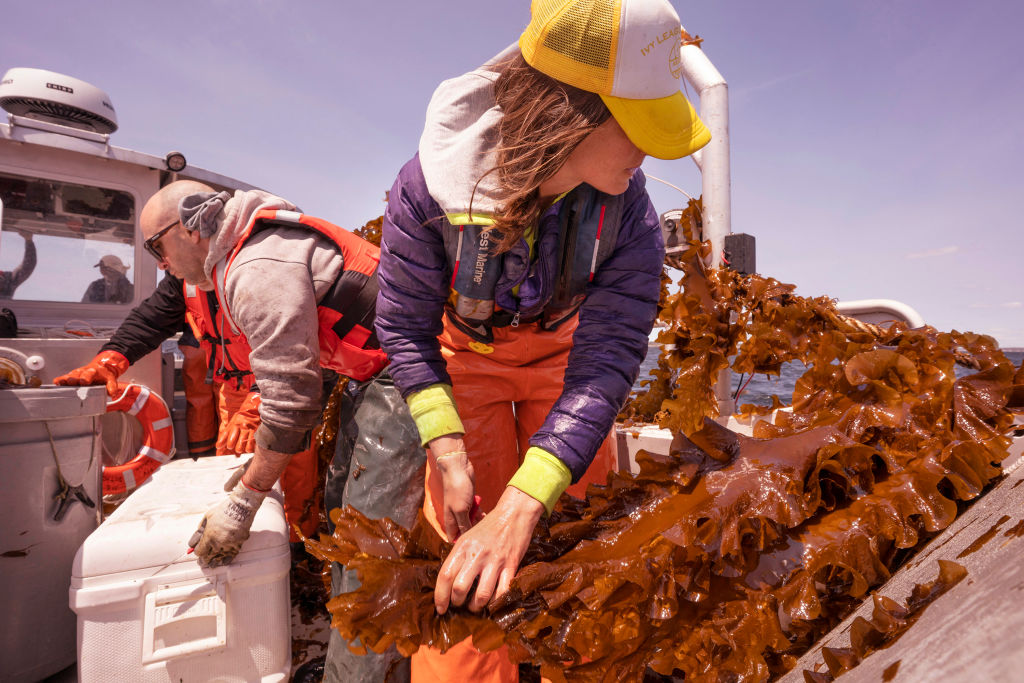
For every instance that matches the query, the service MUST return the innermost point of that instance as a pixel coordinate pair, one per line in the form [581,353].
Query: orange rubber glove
[105,368]
[240,432]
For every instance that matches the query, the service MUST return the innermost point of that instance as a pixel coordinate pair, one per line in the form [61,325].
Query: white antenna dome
[56,98]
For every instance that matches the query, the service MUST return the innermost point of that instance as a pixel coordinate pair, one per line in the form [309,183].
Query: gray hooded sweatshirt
[271,292]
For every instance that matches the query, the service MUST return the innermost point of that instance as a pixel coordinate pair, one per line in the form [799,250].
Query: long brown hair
[543,120]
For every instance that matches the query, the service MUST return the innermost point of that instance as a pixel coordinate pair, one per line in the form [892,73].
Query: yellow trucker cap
[626,51]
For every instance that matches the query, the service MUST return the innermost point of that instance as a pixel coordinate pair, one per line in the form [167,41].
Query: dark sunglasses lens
[150,244]
[151,248]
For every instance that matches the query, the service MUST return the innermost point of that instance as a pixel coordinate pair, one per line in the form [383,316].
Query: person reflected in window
[113,287]
[10,279]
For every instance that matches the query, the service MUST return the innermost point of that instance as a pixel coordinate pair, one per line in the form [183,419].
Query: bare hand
[489,553]
[458,483]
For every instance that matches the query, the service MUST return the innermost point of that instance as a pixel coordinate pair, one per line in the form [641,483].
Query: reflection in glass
[113,287]
[10,279]
[57,237]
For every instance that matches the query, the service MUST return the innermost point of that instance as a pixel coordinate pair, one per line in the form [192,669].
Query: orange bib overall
[503,392]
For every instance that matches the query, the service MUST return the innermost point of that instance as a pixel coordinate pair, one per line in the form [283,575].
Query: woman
[519,280]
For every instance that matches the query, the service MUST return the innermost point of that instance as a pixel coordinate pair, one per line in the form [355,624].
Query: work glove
[225,527]
[239,436]
[105,368]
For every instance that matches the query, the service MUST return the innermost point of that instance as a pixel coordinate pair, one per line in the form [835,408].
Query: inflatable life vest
[348,343]
[227,353]
[589,224]
[157,437]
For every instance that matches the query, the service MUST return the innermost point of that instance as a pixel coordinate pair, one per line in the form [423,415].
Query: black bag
[8,324]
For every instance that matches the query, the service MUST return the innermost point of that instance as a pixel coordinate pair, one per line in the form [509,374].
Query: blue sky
[876,146]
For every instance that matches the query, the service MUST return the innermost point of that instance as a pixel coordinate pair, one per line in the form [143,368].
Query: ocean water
[759,389]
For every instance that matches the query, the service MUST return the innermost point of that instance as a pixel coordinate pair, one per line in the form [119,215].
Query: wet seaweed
[371,231]
[889,620]
[728,557]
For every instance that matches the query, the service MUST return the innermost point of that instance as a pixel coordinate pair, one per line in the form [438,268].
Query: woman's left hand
[489,553]
[457,481]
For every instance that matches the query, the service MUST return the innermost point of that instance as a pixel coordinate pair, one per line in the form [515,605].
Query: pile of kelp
[728,557]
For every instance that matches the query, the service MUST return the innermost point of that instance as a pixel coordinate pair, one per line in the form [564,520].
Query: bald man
[302,292]
[191,228]
[222,418]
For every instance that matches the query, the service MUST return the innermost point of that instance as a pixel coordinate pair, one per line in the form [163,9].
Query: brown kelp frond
[729,556]
[889,620]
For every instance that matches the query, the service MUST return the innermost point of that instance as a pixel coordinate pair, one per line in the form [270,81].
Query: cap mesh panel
[583,32]
[541,12]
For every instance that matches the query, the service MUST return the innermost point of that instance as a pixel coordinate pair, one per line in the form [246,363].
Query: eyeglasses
[150,244]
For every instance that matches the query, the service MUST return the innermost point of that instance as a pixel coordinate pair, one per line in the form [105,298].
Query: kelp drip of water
[728,557]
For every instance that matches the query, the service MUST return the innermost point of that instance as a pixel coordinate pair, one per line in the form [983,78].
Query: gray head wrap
[199,211]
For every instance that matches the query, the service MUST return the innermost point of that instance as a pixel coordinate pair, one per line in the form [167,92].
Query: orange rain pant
[503,392]
[299,478]
[200,403]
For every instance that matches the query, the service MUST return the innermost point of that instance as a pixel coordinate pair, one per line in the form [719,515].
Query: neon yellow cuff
[466,219]
[542,476]
[433,411]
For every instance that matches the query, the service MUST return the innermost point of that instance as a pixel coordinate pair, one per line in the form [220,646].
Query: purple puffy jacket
[614,321]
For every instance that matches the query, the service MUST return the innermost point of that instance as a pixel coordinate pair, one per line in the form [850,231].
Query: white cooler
[148,612]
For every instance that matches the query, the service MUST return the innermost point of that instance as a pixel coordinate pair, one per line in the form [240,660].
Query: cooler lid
[51,403]
[151,528]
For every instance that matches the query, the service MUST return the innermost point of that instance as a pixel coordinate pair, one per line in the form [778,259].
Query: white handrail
[881,311]
[713,159]
[713,162]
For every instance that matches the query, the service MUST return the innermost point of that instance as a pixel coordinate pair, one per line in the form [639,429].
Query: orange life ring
[157,437]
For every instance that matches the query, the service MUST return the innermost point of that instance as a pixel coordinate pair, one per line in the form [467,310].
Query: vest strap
[356,295]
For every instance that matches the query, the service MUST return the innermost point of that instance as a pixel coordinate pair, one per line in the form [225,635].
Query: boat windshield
[66,242]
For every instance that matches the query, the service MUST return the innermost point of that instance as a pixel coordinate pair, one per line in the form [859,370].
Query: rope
[846,324]
[65,488]
[53,450]
[122,452]
[11,371]
[674,187]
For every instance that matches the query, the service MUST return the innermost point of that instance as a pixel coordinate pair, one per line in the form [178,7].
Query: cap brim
[666,128]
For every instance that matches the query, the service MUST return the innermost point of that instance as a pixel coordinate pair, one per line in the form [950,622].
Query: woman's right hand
[483,563]
[449,453]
